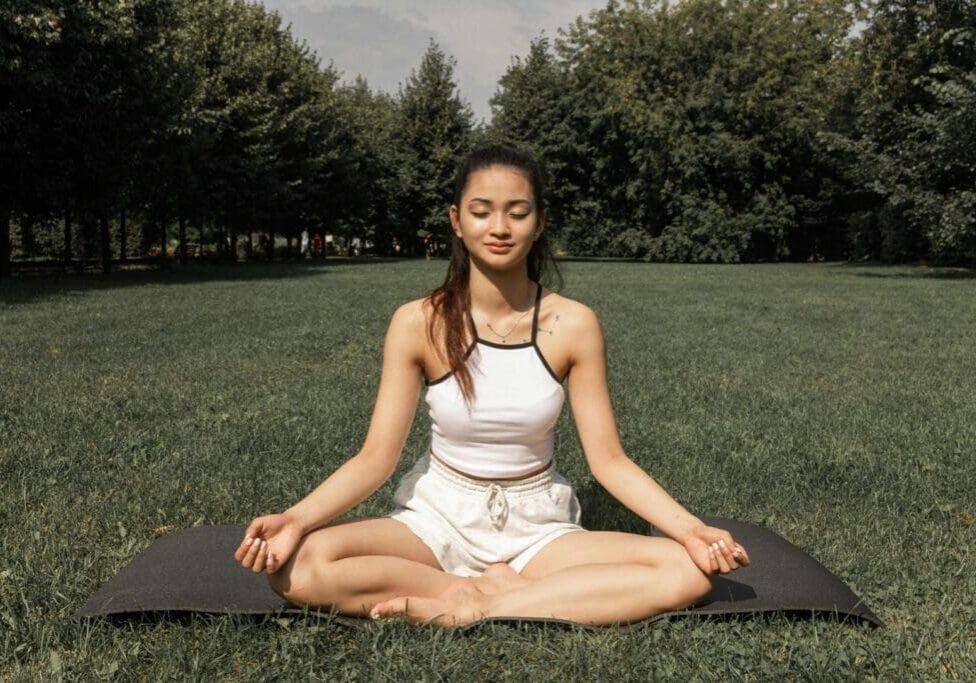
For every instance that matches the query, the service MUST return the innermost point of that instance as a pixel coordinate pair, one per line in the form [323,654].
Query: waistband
[537,482]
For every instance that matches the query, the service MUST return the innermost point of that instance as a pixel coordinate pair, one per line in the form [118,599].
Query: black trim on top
[447,374]
[535,335]
[521,345]
[535,313]
[545,363]
[474,329]
[496,345]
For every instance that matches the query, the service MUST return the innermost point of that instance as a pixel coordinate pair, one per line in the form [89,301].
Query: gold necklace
[504,337]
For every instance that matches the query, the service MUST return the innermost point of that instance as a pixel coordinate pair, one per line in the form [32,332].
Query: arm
[271,539]
[626,481]
[393,413]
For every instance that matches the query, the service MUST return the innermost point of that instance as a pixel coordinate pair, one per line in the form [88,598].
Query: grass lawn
[832,403]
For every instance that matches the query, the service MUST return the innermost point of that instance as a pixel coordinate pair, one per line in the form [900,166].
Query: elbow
[606,463]
[378,464]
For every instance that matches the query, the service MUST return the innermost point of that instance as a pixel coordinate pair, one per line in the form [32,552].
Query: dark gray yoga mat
[194,571]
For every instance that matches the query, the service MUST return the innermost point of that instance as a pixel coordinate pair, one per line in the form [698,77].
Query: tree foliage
[914,132]
[700,130]
[434,127]
[686,131]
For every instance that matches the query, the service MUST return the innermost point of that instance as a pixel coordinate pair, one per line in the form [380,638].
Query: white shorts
[470,523]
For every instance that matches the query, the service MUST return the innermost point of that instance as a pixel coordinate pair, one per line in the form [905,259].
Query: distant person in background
[264,245]
[484,524]
[317,245]
[303,248]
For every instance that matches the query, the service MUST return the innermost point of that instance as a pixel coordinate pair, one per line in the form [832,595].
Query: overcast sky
[384,41]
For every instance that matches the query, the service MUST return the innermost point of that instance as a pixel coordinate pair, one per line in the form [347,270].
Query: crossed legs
[597,577]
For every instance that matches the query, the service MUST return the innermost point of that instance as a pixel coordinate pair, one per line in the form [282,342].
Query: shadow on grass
[602,512]
[27,287]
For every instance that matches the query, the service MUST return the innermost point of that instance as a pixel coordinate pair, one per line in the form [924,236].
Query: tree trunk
[182,238]
[5,246]
[233,244]
[67,239]
[162,239]
[221,239]
[288,254]
[106,243]
[122,236]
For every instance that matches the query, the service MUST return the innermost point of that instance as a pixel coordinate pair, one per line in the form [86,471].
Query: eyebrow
[489,202]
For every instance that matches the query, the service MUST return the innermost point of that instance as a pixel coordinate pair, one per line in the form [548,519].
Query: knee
[293,582]
[695,584]
[280,582]
[691,584]
[699,585]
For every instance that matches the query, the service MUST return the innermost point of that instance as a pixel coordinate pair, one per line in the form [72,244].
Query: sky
[384,41]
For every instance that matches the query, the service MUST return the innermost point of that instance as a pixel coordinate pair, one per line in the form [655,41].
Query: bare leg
[593,593]
[353,565]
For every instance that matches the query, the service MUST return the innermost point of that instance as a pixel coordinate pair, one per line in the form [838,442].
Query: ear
[455,220]
[540,225]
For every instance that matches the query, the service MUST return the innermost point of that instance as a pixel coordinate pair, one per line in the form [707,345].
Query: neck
[496,294]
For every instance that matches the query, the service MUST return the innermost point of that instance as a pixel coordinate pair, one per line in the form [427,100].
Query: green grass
[832,403]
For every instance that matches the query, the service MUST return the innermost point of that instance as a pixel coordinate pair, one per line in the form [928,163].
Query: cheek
[469,225]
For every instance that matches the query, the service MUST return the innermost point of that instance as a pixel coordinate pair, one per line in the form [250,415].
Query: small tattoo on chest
[551,328]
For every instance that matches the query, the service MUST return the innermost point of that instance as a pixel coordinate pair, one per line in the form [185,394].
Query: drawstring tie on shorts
[497,505]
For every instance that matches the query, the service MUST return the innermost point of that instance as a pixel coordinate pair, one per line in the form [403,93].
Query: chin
[504,262]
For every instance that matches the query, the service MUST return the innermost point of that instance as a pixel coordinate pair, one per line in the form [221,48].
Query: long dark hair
[451,301]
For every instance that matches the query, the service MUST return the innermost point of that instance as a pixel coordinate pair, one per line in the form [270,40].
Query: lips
[499,247]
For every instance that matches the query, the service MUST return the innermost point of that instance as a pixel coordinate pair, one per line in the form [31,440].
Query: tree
[28,80]
[532,109]
[371,190]
[435,125]
[912,142]
[687,131]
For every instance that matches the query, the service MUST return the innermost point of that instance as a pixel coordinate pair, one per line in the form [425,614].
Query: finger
[255,528]
[726,550]
[742,556]
[723,566]
[243,548]
[702,561]
[712,560]
[262,556]
[272,563]
[252,553]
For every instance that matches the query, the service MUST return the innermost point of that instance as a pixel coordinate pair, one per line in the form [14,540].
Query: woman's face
[497,219]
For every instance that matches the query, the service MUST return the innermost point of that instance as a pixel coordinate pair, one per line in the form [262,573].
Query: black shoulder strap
[535,313]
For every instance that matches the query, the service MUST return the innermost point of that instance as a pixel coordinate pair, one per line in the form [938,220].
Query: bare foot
[457,606]
[499,578]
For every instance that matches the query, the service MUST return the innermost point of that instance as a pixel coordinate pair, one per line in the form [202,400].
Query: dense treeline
[706,130]
[128,125]
[739,130]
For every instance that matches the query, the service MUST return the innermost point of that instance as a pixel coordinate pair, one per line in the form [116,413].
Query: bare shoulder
[412,315]
[574,317]
[407,328]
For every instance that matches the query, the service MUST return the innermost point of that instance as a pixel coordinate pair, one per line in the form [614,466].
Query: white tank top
[507,431]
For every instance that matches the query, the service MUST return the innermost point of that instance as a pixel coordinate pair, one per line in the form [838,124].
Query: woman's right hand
[268,543]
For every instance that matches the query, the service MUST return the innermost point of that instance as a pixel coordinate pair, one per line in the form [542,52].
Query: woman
[484,525]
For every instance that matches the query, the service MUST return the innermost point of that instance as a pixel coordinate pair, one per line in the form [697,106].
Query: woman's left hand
[715,551]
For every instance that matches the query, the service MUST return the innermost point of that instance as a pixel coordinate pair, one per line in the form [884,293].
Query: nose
[499,225]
